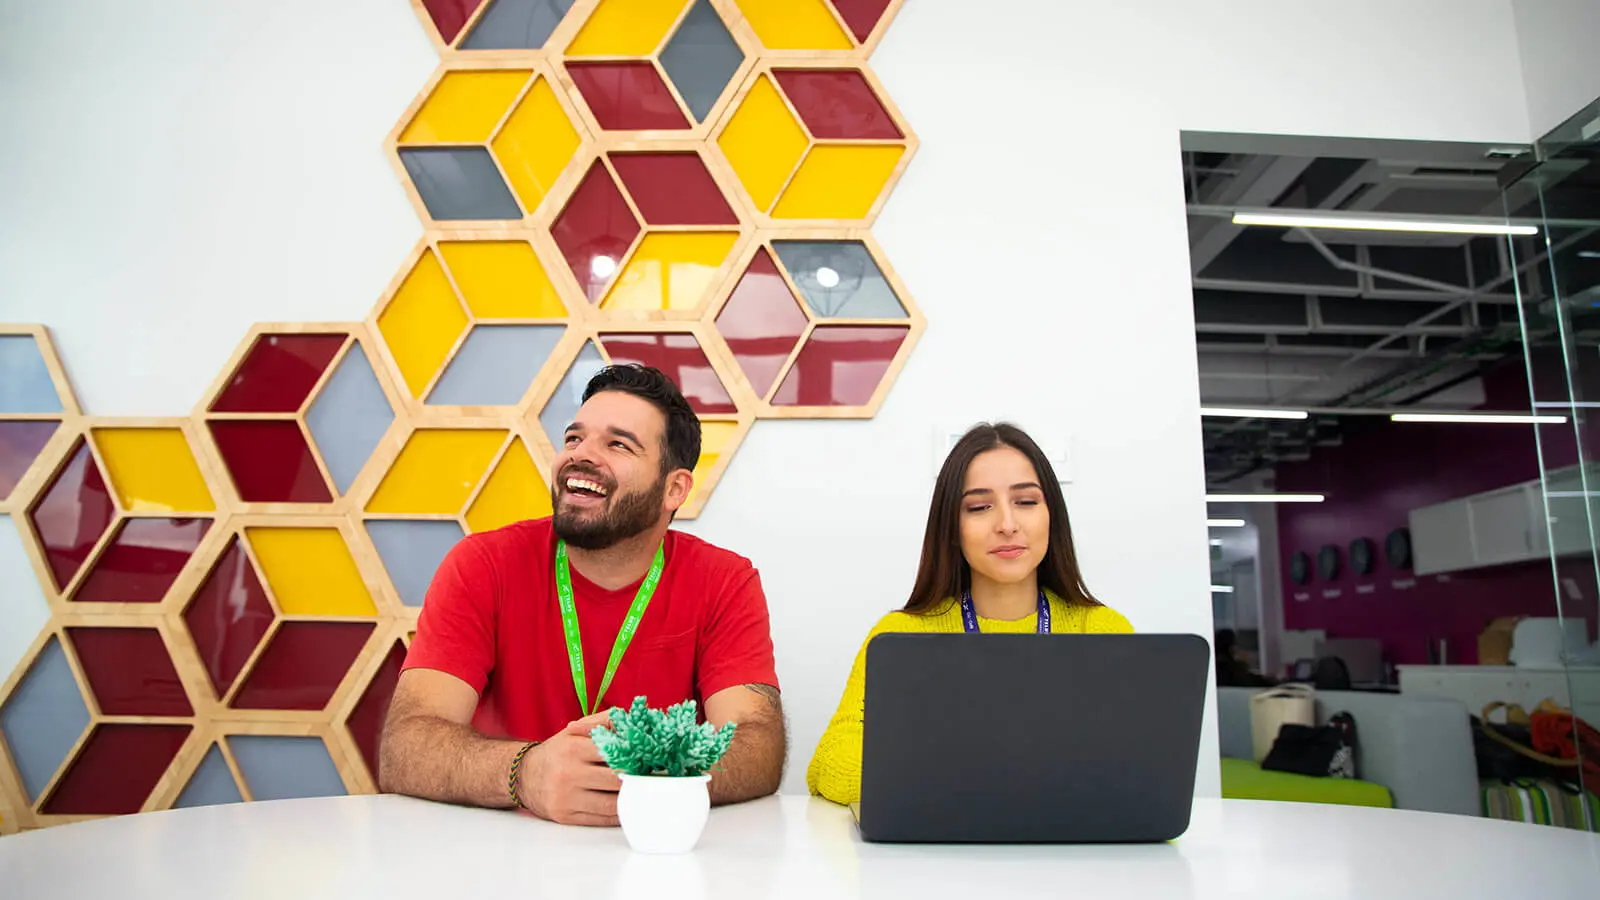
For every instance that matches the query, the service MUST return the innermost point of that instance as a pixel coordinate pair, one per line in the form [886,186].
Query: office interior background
[1066,232]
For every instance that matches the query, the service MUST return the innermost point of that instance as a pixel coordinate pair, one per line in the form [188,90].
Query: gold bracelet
[516,766]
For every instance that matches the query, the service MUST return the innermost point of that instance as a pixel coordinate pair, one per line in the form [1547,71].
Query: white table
[392,847]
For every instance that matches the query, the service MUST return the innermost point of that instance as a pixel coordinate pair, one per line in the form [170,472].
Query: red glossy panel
[366,720]
[278,373]
[627,96]
[116,770]
[673,189]
[143,560]
[596,224]
[303,665]
[228,616]
[679,356]
[129,671]
[74,512]
[840,365]
[449,16]
[270,462]
[20,443]
[861,15]
[837,103]
[761,322]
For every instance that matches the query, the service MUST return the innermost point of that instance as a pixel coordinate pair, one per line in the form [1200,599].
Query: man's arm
[430,750]
[753,765]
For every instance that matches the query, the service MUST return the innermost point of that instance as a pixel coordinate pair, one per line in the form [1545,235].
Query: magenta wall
[1382,471]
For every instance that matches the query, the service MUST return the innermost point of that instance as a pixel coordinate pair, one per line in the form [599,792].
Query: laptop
[1025,738]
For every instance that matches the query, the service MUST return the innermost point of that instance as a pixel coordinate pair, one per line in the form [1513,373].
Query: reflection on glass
[269,462]
[459,183]
[74,512]
[142,561]
[129,671]
[840,365]
[679,356]
[837,104]
[20,444]
[302,666]
[366,720]
[116,770]
[278,373]
[228,616]
[596,224]
[840,279]
[761,322]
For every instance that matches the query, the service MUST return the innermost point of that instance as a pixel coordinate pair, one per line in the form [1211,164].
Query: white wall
[1560,65]
[168,172]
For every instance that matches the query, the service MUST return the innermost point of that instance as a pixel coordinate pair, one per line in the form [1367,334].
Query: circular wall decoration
[1300,567]
[1328,562]
[1363,555]
[1397,548]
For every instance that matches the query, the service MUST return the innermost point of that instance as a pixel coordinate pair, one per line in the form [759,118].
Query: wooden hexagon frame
[214,722]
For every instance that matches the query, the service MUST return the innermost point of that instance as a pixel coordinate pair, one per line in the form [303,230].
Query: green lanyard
[569,623]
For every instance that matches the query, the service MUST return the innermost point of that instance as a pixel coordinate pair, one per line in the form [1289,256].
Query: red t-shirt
[491,619]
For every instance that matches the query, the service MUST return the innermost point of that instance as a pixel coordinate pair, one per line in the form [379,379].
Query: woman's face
[1005,526]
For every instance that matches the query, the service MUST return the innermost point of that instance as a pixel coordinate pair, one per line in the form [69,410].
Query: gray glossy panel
[25,385]
[212,783]
[459,183]
[412,551]
[516,24]
[285,768]
[44,719]
[563,405]
[495,365]
[855,289]
[349,417]
[701,58]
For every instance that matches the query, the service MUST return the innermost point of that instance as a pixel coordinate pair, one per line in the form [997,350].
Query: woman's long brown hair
[944,573]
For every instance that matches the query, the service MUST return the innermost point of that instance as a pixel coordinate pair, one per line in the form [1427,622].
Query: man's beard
[627,515]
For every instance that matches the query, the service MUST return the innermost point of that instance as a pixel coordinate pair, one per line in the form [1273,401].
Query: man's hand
[565,780]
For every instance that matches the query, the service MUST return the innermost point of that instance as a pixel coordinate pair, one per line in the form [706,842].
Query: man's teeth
[579,484]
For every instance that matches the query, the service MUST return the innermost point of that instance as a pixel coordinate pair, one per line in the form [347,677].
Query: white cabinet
[1507,524]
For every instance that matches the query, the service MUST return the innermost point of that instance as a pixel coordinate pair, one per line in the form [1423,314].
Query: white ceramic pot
[662,814]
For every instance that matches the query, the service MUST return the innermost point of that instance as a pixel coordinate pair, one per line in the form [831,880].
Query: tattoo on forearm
[768,692]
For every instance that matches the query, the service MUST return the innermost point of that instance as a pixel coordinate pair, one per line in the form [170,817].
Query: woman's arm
[835,770]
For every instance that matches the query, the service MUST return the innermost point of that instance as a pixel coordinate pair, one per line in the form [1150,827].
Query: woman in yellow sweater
[997,556]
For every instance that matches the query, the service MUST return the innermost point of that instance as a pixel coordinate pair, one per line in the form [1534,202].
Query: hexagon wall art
[214,608]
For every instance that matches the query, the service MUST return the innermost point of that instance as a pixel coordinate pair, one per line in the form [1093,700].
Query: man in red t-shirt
[491,676]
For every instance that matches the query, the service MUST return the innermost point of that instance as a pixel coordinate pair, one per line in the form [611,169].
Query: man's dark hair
[681,448]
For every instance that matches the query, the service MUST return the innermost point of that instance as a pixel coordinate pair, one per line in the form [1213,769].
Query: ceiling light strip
[1364,223]
[1480,419]
[1264,498]
[1248,413]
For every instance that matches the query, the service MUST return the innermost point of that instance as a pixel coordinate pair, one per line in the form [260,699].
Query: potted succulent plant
[664,760]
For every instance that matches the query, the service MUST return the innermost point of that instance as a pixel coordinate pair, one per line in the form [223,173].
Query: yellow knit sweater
[835,771]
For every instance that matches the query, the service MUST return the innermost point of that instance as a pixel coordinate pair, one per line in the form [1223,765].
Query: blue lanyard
[969,616]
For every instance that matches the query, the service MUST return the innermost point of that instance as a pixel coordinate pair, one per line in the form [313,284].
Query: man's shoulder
[515,543]
[708,558]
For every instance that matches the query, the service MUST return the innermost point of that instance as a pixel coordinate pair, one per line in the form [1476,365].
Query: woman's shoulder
[1085,619]
[901,621]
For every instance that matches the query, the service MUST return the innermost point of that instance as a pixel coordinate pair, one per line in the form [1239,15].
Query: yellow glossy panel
[422,322]
[436,471]
[464,107]
[795,24]
[502,280]
[671,270]
[838,181]
[311,572]
[626,28]
[514,492]
[714,440]
[536,144]
[763,142]
[153,470]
